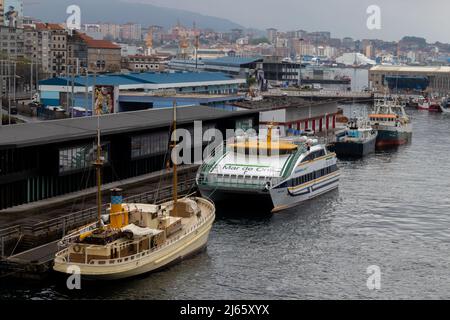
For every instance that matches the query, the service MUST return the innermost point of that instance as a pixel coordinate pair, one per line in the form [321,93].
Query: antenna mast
[98,167]
[175,176]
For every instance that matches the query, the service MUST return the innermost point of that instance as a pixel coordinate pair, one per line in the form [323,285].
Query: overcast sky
[425,18]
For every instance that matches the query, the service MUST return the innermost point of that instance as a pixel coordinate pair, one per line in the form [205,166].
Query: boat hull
[444,109]
[392,138]
[216,194]
[355,149]
[429,108]
[284,198]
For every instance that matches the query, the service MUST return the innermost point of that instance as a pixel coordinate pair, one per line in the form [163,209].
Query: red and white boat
[429,104]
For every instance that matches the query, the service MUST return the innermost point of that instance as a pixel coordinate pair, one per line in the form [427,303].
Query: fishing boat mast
[98,168]
[173,146]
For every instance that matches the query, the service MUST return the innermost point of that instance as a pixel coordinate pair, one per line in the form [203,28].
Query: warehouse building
[410,78]
[55,91]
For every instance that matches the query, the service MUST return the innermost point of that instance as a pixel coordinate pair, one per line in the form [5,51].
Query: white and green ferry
[285,173]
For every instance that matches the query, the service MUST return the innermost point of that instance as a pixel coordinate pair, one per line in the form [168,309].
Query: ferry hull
[226,194]
[284,198]
[392,138]
[355,149]
[155,261]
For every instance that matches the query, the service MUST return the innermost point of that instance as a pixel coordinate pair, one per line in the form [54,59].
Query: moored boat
[392,123]
[445,105]
[358,140]
[428,104]
[284,173]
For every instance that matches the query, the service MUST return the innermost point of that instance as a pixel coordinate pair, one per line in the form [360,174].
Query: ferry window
[320,153]
[309,157]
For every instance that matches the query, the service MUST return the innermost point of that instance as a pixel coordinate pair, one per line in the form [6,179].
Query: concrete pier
[342,96]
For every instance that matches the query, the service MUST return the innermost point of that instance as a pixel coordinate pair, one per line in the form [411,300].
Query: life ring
[77,249]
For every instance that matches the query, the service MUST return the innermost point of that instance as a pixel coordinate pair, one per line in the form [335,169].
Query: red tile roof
[49,26]
[98,44]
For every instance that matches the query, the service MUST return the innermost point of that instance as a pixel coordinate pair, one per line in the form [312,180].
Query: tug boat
[358,140]
[138,238]
[282,173]
[392,123]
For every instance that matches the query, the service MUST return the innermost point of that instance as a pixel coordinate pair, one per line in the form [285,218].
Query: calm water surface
[392,210]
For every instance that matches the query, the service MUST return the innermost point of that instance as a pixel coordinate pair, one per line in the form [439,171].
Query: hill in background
[122,11]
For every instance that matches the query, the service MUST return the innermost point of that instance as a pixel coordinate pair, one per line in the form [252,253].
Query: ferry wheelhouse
[284,173]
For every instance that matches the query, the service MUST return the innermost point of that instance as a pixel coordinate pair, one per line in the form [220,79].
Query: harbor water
[392,210]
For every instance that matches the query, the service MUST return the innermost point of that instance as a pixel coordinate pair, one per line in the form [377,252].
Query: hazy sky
[425,18]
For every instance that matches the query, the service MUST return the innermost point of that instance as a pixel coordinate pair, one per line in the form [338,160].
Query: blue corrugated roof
[179,77]
[113,79]
[139,78]
[232,61]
